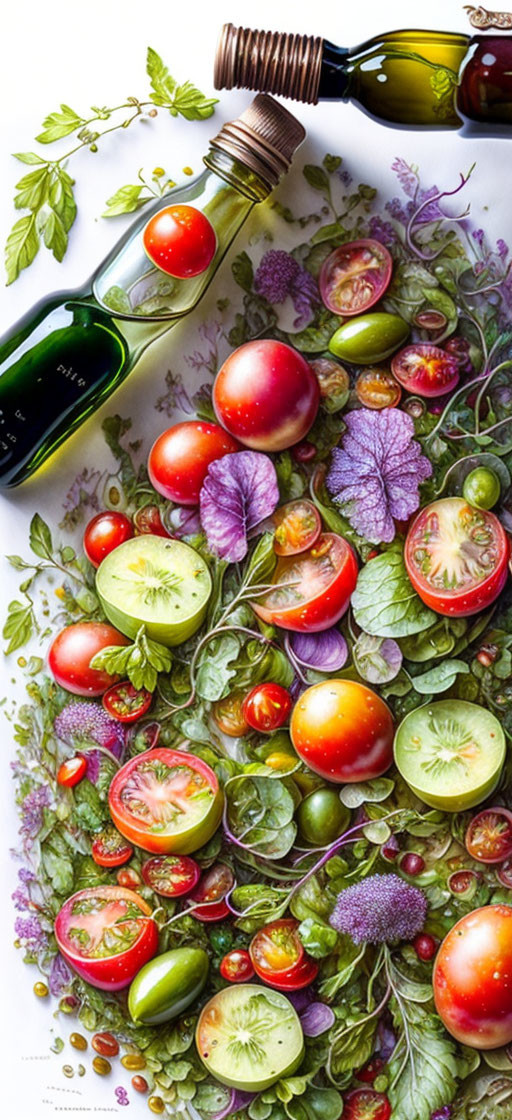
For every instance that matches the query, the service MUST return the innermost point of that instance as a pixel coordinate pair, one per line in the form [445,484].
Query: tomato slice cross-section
[355,276]
[311,591]
[106,934]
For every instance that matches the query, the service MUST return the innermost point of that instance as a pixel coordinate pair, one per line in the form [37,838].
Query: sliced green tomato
[450,753]
[248,1037]
[155,582]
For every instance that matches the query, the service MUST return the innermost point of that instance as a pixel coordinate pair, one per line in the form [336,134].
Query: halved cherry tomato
[504,874]
[213,888]
[365,1104]
[355,276]
[106,934]
[267,706]
[311,591]
[426,370]
[456,557]
[104,533]
[430,320]
[128,877]
[377,388]
[71,771]
[171,876]
[334,383]
[180,240]
[166,801]
[229,717]
[236,966]
[278,956]
[148,520]
[463,883]
[110,849]
[297,526]
[489,835]
[126,703]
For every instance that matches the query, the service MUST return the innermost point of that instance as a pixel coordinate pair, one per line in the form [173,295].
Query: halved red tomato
[456,557]
[212,889]
[166,801]
[366,1104]
[377,388]
[71,771]
[125,702]
[278,956]
[311,591]
[171,876]
[106,934]
[236,966]
[110,849]
[147,519]
[297,526]
[355,276]
[425,369]
[489,835]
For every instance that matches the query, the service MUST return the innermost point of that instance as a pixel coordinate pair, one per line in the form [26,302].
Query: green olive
[366,339]
[165,986]
[482,488]
[321,817]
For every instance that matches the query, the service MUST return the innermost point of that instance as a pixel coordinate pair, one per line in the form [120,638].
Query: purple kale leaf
[376,472]
[239,491]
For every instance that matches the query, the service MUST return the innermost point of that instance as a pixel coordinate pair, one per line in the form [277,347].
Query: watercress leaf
[125,200]
[215,667]
[440,677]
[317,938]
[191,104]
[311,901]
[40,538]
[316,177]
[385,603]
[243,271]
[21,247]
[260,814]
[375,790]
[316,1104]
[58,125]
[19,625]
[55,236]
[162,83]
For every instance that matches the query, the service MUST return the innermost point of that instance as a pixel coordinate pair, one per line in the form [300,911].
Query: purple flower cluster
[81,724]
[32,808]
[382,908]
[381,230]
[29,931]
[279,275]
[60,976]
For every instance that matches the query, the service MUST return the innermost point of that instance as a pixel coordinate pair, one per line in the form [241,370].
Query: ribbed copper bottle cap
[271,61]
[264,138]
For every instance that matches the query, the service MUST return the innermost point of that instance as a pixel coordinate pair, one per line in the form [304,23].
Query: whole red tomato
[473,978]
[266,395]
[180,457]
[72,651]
[343,731]
[236,966]
[180,240]
[267,706]
[104,533]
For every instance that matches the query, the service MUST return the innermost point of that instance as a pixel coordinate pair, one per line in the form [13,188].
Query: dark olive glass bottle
[68,354]
[409,79]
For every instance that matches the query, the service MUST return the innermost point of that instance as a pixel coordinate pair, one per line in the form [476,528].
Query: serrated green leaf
[162,82]
[58,125]
[40,537]
[21,247]
[191,104]
[62,199]
[243,272]
[55,236]
[125,200]
[19,625]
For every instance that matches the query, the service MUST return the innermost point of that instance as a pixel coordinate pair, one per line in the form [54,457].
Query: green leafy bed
[381,996]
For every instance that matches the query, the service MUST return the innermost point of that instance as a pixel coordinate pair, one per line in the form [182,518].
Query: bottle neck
[233,171]
[334,77]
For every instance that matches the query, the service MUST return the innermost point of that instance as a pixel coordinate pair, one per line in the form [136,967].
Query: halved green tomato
[248,1037]
[450,753]
[106,934]
[456,557]
[166,801]
[297,527]
[155,582]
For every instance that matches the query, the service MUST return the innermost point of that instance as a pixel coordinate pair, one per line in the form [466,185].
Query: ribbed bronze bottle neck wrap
[271,61]
[264,138]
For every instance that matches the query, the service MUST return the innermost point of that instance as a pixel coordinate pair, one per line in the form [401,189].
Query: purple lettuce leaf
[316,1019]
[239,491]
[326,651]
[377,660]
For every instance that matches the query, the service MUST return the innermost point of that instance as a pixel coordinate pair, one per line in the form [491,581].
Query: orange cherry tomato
[377,388]
[297,526]
[229,717]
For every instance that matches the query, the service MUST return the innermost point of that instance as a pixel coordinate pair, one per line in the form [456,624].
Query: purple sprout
[82,724]
[279,275]
[32,811]
[383,231]
[60,976]
[443,1113]
[380,909]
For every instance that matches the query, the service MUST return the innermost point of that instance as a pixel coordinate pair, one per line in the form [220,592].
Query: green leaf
[41,538]
[216,669]
[125,200]
[243,271]
[59,869]
[317,938]
[141,662]
[28,157]
[385,603]
[19,625]
[331,163]
[260,812]
[191,104]
[62,199]
[424,1066]
[162,83]
[352,1046]
[21,247]
[89,810]
[55,236]
[33,189]
[441,301]
[316,177]
[315,1104]
[440,677]
[58,125]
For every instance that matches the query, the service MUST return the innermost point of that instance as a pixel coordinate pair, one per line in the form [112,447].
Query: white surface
[81,53]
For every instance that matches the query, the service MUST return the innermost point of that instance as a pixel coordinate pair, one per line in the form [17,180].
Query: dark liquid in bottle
[53,372]
[485,85]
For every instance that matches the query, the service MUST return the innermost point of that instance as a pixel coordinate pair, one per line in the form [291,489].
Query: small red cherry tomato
[171,876]
[303,452]
[110,849]
[180,240]
[370,1071]
[365,1104]
[148,520]
[72,651]
[126,703]
[104,533]
[267,706]
[278,956]
[236,966]
[297,526]
[229,717]
[213,888]
[179,459]
[489,835]
[426,370]
[355,276]
[425,946]
[71,771]
[129,878]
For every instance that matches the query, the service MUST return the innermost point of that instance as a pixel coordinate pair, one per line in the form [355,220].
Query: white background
[82,53]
